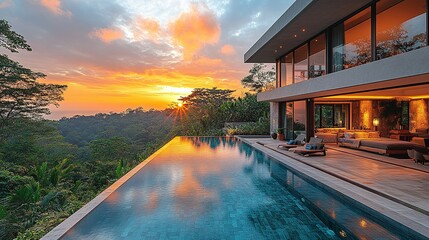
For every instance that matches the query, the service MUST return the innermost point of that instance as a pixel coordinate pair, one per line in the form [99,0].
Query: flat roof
[305,19]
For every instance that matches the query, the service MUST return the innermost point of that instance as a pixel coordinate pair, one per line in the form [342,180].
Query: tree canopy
[259,78]
[21,95]
[207,96]
[10,39]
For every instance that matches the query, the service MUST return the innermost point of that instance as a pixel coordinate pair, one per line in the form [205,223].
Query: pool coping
[390,209]
[61,229]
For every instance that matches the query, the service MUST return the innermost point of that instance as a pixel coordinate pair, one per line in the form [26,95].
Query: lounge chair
[308,150]
[298,140]
[420,157]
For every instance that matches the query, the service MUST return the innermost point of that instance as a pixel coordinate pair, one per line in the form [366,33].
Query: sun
[180,104]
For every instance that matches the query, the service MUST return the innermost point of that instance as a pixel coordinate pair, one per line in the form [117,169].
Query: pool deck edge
[413,220]
[76,217]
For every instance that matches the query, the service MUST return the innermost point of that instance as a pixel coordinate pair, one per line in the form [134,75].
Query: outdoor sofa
[374,143]
[299,141]
[315,145]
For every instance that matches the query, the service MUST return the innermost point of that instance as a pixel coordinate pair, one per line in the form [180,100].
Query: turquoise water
[220,188]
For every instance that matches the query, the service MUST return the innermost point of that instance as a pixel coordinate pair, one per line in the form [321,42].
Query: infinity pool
[221,188]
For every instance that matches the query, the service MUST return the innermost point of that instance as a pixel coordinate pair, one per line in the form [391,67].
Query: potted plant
[274,135]
[281,134]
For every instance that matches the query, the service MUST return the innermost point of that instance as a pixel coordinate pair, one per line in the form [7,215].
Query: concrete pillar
[274,116]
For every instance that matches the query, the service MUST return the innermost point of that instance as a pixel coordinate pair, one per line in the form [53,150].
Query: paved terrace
[397,188]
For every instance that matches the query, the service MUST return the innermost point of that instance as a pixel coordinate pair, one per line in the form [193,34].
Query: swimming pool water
[216,188]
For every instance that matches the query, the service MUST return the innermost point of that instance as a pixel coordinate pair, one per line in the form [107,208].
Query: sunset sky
[119,54]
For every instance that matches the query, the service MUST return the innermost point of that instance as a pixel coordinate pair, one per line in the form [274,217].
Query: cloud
[107,35]
[55,7]
[227,50]
[194,29]
[146,28]
[5,3]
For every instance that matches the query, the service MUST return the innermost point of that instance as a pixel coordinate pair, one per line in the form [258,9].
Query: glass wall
[301,64]
[317,57]
[277,73]
[351,41]
[289,121]
[282,72]
[332,115]
[289,68]
[401,26]
[299,117]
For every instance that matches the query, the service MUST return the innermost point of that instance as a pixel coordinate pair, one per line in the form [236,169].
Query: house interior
[399,113]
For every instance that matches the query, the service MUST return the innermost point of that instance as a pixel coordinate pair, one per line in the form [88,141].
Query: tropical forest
[51,168]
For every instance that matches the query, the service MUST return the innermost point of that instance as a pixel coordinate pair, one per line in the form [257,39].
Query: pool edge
[62,228]
[370,200]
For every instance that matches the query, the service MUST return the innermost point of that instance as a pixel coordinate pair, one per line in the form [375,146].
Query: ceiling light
[275,50]
[303,29]
[295,35]
[281,46]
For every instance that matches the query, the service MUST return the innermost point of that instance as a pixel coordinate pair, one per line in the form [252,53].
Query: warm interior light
[358,97]
[295,35]
[281,46]
[375,122]
[303,29]
[420,97]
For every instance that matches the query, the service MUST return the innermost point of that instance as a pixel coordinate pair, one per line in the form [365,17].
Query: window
[351,41]
[299,117]
[283,73]
[289,68]
[317,57]
[289,121]
[332,115]
[401,26]
[277,73]
[301,64]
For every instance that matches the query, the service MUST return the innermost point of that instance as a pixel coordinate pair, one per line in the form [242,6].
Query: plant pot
[274,135]
[281,136]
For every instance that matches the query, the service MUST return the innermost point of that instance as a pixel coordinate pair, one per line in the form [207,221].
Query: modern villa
[357,66]
[348,72]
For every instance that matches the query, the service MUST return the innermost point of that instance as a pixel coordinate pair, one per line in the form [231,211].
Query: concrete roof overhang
[312,15]
[406,69]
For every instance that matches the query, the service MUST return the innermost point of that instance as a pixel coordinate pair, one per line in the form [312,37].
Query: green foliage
[208,117]
[109,149]
[244,109]
[202,97]
[10,39]
[120,169]
[259,78]
[261,127]
[20,93]
[29,193]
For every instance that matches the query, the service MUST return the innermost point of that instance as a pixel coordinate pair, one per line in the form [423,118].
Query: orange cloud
[194,29]
[54,6]
[227,50]
[147,28]
[107,35]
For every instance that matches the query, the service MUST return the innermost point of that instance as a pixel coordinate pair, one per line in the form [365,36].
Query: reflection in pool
[215,188]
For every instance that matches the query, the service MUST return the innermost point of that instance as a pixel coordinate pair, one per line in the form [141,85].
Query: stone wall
[419,114]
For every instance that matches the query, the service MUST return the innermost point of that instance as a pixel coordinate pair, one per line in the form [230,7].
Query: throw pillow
[374,135]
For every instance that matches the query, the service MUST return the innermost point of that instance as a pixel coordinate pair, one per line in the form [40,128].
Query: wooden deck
[400,182]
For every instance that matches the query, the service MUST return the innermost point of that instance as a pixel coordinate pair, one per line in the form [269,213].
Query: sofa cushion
[349,135]
[361,134]
[374,135]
